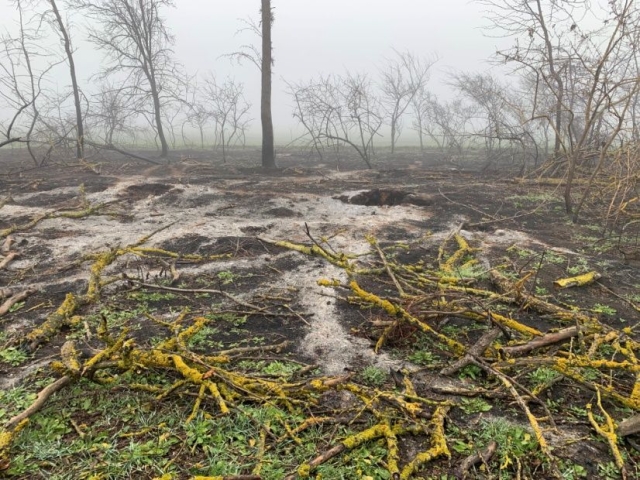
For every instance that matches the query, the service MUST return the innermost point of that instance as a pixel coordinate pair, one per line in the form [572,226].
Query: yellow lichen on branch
[159,252]
[6,438]
[608,431]
[397,311]
[85,212]
[438,448]
[448,266]
[340,260]
[52,324]
[102,261]
[325,282]
[578,281]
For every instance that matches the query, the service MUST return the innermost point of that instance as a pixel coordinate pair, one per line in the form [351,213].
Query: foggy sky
[310,37]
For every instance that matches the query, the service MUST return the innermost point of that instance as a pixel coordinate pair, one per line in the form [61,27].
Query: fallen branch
[476,351]
[608,432]
[8,259]
[629,426]
[539,342]
[319,460]
[6,245]
[483,456]
[15,298]
[113,148]
[86,212]
[258,309]
[39,402]
[533,421]
[374,243]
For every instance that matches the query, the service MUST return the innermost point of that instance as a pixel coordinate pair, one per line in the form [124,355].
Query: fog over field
[309,38]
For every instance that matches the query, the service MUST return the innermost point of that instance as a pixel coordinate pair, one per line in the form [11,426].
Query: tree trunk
[558,120]
[393,136]
[157,114]
[268,151]
[74,81]
[224,146]
[571,171]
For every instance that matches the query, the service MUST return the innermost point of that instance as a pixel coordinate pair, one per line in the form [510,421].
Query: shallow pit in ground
[381,197]
[141,191]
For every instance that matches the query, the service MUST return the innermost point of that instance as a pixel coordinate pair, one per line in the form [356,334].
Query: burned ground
[298,274]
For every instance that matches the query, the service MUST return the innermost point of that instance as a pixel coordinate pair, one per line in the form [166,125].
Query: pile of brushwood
[331,419]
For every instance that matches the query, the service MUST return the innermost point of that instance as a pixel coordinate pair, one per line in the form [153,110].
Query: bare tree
[12,90]
[447,124]
[420,114]
[63,31]
[400,81]
[534,24]
[135,39]
[268,147]
[226,106]
[501,118]
[262,58]
[21,80]
[111,114]
[196,116]
[199,117]
[340,110]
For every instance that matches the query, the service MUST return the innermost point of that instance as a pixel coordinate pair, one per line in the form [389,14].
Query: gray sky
[316,37]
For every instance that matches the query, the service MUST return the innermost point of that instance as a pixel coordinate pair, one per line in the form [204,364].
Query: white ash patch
[224,215]
[54,192]
[328,342]
[11,210]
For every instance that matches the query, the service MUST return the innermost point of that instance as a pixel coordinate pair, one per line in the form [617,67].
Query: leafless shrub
[337,110]
[197,115]
[226,106]
[620,190]
[501,121]
[447,124]
[401,79]
[110,119]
